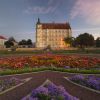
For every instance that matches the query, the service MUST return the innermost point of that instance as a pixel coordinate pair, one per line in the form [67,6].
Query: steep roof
[55,26]
[1,37]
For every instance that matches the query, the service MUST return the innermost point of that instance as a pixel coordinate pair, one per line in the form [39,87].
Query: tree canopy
[25,42]
[69,40]
[84,40]
[12,39]
[98,42]
[22,42]
[10,43]
[29,42]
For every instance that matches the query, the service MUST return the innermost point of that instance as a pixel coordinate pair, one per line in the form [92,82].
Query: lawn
[78,51]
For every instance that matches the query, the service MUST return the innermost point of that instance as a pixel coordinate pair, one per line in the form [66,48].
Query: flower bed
[9,83]
[49,91]
[47,60]
[88,81]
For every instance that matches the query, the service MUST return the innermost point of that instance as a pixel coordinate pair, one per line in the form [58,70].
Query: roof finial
[38,22]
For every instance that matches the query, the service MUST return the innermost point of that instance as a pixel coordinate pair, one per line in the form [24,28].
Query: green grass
[29,70]
[77,51]
[86,51]
[5,52]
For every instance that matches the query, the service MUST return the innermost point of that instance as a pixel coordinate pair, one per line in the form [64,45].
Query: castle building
[2,41]
[52,34]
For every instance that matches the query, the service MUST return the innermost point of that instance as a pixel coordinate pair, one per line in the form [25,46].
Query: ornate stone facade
[52,34]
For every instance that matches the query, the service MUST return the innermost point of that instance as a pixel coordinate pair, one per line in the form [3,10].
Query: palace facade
[2,41]
[52,34]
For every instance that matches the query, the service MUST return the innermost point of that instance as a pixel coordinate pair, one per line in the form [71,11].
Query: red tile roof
[1,37]
[55,26]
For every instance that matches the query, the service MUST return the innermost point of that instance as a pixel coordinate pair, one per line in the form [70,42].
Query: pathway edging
[82,86]
[8,90]
[45,71]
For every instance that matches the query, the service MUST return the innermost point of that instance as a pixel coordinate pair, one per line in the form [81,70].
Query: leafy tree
[69,40]
[12,39]
[23,42]
[8,44]
[84,40]
[29,42]
[98,42]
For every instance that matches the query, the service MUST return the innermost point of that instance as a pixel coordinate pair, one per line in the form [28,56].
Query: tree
[8,44]
[98,42]
[29,42]
[12,39]
[84,40]
[23,42]
[69,40]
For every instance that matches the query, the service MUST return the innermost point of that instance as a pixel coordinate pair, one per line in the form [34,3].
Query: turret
[38,22]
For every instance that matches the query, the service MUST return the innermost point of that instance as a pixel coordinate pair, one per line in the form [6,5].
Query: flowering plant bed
[9,84]
[47,60]
[92,82]
[49,91]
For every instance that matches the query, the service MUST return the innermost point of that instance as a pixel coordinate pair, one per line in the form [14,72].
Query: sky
[18,17]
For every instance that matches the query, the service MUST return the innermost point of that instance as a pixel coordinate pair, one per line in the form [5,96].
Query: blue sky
[18,17]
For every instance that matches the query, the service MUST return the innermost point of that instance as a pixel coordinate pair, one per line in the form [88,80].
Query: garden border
[45,82]
[13,87]
[82,86]
[45,71]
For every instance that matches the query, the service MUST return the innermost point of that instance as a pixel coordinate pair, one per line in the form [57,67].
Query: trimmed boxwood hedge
[29,70]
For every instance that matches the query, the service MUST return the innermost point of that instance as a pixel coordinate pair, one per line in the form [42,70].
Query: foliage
[28,70]
[25,42]
[50,92]
[22,42]
[8,83]
[88,81]
[84,40]
[69,40]
[98,42]
[8,44]
[29,42]
[12,39]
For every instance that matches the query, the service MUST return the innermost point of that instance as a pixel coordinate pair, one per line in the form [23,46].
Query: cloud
[94,31]
[88,10]
[86,29]
[40,10]
[49,7]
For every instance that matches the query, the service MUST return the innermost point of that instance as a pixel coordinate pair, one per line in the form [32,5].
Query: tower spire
[38,22]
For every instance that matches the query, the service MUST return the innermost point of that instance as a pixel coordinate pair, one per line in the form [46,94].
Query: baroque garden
[50,72]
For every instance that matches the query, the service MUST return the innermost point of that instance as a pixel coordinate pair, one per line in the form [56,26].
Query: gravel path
[56,77]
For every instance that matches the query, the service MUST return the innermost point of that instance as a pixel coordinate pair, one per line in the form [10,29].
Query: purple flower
[65,94]
[52,88]
[94,77]
[39,90]
[67,67]
[93,84]
[52,91]
[77,77]
[89,81]
[59,91]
